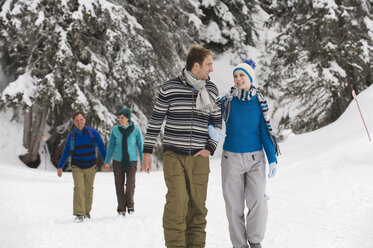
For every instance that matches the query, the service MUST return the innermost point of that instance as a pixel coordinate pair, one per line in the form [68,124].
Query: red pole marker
[354,95]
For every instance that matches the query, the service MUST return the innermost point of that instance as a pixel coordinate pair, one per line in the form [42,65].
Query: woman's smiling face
[241,80]
[123,121]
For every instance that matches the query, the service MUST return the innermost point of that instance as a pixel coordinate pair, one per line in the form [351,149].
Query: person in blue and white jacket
[248,131]
[125,147]
[81,146]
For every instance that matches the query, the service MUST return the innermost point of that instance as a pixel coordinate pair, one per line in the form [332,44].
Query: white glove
[215,134]
[272,169]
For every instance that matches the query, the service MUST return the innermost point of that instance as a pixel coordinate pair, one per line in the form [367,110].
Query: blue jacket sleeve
[267,142]
[221,104]
[66,152]
[140,144]
[100,143]
[110,147]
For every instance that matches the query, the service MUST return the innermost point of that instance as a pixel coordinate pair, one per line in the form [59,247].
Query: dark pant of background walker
[125,177]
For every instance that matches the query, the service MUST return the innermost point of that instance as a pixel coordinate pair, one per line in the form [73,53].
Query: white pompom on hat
[248,67]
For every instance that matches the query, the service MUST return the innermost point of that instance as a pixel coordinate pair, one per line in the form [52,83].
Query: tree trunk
[34,130]
[27,128]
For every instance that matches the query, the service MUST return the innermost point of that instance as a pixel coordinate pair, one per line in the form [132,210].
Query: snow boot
[131,211]
[78,219]
[122,213]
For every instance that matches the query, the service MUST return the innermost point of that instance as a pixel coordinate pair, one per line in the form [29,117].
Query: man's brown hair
[78,113]
[196,54]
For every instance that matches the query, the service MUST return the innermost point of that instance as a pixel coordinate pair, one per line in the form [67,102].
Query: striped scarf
[246,96]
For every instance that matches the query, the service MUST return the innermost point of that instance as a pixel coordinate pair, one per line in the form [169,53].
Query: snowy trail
[306,207]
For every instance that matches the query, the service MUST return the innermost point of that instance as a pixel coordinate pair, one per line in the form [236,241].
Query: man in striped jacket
[188,103]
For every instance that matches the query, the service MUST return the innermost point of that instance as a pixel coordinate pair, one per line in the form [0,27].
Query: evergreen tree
[28,46]
[323,47]
[77,58]
[229,24]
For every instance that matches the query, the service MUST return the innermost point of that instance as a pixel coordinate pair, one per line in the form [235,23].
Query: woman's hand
[106,167]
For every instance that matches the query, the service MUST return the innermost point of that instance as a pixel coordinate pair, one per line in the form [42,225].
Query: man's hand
[146,163]
[204,153]
[59,172]
[106,167]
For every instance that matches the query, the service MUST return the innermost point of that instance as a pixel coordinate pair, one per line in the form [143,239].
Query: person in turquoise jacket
[125,147]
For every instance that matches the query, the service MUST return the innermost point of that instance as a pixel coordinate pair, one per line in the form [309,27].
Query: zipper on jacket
[191,125]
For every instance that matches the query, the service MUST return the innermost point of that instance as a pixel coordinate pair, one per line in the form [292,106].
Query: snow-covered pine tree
[323,47]
[228,24]
[70,57]
[28,53]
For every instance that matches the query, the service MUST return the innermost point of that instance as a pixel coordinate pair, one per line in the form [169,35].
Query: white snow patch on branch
[40,19]
[369,24]
[208,3]
[81,99]
[213,34]
[195,20]
[24,86]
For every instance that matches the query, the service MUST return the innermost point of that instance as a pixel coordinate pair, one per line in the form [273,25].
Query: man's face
[202,71]
[79,122]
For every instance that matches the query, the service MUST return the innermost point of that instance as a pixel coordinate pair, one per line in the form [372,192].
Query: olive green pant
[184,217]
[83,189]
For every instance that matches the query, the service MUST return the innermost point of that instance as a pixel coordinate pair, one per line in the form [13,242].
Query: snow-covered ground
[322,196]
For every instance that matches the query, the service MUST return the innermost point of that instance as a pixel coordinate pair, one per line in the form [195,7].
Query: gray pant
[244,179]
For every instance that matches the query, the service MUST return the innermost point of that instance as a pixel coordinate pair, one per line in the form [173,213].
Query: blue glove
[272,169]
[215,134]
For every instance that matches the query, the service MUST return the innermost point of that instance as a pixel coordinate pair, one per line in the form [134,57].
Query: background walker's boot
[131,211]
[78,218]
[122,213]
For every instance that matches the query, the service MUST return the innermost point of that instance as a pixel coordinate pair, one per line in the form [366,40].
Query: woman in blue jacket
[248,131]
[125,146]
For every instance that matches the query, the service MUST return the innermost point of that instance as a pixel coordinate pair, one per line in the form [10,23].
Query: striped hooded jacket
[84,154]
[186,129]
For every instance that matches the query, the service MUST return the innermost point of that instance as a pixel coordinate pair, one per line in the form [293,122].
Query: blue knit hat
[125,112]
[248,67]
